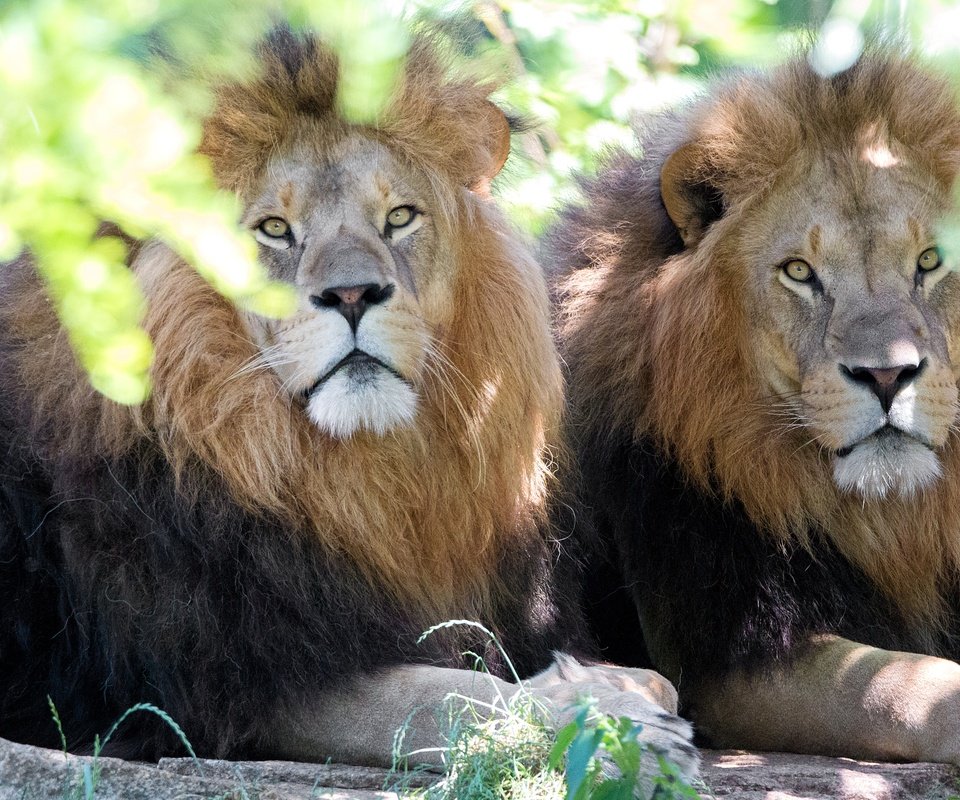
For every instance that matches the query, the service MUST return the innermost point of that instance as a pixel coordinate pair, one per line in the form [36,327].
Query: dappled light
[839,47]
[874,143]
[856,784]
[879,156]
[740,760]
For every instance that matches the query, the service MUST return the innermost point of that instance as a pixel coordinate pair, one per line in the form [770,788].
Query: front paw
[644,697]
[663,733]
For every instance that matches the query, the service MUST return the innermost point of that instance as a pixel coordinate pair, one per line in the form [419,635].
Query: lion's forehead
[853,220]
[354,176]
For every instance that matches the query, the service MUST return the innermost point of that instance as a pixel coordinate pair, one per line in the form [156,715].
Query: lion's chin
[886,463]
[377,401]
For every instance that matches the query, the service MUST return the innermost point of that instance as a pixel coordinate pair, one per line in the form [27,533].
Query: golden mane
[423,511]
[662,332]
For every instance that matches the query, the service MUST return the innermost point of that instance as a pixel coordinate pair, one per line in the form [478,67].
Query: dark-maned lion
[762,335]
[257,548]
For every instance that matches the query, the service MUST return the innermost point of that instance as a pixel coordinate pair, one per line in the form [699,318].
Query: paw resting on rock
[643,696]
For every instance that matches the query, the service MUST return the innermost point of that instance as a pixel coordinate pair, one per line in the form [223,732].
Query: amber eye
[798,270]
[401,216]
[274,227]
[929,259]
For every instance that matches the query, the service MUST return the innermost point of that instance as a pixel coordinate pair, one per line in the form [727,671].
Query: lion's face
[355,233]
[854,306]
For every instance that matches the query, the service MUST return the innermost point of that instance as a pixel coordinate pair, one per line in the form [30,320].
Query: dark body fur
[666,412]
[121,584]
[682,582]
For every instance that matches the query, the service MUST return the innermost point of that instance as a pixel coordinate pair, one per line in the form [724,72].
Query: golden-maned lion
[762,334]
[257,549]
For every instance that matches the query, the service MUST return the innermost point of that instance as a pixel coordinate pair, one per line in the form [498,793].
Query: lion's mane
[737,541]
[212,551]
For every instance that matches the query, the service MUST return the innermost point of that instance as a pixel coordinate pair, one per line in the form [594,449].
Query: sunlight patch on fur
[880,156]
[875,147]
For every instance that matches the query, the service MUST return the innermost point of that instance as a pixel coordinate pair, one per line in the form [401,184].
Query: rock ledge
[30,773]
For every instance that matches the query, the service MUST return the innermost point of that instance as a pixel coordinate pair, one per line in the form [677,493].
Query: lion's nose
[885,382]
[353,301]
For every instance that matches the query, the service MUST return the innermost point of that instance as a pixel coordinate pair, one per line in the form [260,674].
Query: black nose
[352,301]
[885,382]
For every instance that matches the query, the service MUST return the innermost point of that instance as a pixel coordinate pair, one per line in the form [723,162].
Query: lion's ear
[496,147]
[691,199]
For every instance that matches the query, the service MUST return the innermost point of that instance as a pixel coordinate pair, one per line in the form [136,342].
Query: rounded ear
[497,143]
[691,200]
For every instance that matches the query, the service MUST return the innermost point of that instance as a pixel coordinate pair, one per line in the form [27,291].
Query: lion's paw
[643,696]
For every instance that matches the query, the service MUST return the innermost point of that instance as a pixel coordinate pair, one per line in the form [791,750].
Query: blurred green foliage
[102,101]
[586,71]
[99,120]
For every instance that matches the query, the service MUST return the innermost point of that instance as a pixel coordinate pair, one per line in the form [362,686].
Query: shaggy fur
[215,553]
[719,524]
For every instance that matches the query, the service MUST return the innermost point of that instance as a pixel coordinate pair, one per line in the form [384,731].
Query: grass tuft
[504,757]
[509,752]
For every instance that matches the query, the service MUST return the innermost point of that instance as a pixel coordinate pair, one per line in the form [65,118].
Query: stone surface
[291,774]
[29,773]
[783,776]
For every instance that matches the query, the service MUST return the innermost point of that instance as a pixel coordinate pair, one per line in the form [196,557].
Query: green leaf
[275,300]
[579,754]
[613,789]
[565,737]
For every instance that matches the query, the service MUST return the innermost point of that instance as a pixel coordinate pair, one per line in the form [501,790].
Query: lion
[257,549]
[761,328]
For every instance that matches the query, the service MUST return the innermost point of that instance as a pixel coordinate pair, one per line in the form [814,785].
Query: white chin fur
[882,465]
[377,403]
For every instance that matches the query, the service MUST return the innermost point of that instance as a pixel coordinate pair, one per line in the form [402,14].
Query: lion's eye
[274,227]
[798,270]
[930,259]
[401,216]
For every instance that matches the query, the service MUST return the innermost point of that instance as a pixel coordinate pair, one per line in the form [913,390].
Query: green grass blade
[88,783]
[56,720]
[472,624]
[166,718]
